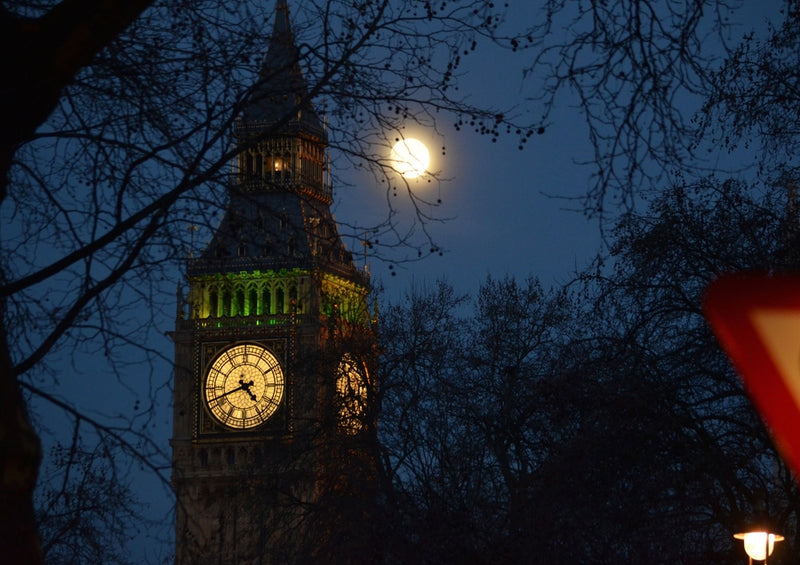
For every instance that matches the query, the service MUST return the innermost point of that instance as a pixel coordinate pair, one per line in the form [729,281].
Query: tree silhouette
[116,150]
[646,75]
[597,422]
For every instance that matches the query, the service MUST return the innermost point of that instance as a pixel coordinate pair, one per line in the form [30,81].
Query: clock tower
[275,353]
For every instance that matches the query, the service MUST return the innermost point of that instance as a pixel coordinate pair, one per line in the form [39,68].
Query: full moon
[410,158]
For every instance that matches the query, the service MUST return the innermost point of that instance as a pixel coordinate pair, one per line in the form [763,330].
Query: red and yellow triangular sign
[756,318]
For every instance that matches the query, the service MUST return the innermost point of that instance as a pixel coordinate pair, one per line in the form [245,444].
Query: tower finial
[280,93]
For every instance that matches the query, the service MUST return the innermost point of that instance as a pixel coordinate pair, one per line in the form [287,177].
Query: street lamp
[759,544]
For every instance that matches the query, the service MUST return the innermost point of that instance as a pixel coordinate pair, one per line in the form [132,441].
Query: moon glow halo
[410,158]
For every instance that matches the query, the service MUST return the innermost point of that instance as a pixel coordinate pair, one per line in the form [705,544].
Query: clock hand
[246,387]
[240,387]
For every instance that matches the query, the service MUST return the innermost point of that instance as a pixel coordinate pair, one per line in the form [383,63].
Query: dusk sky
[506,208]
[509,211]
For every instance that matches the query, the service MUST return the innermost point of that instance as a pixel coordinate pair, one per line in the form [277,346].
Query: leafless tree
[642,73]
[753,105]
[116,148]
[522,421]
[87,508]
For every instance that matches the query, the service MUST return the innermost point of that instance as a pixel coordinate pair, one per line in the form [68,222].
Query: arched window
[287,169]
[267,301]
[280,306]
[239,309]
[226,302]
[293,294]
[213,300]
[248,168]
[253,306]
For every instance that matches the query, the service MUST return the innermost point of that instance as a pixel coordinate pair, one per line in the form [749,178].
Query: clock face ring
[244,386]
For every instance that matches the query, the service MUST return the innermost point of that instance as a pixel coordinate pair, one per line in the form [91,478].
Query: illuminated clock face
[244,386]
[351,388]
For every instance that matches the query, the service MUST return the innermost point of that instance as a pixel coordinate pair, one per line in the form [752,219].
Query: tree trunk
[20,456]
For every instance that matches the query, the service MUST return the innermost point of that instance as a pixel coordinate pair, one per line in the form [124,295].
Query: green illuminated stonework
[255,294]
[253,297]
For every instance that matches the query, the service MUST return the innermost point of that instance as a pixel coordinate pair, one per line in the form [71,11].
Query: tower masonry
[275,352]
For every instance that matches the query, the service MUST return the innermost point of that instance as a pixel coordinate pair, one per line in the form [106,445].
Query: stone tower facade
[275,353]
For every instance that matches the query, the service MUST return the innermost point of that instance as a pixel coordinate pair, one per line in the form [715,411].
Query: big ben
[274,351]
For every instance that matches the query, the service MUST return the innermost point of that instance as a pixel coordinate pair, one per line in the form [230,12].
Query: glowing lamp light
[759,545]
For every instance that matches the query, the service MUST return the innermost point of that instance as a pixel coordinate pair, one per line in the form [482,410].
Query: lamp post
[759,543]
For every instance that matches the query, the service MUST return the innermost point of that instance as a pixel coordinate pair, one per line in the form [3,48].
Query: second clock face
[351,387]
[244,386]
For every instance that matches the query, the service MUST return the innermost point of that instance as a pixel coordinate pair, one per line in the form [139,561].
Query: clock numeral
[229,413]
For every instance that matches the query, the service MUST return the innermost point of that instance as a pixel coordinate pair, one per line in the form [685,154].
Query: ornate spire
[280,93]
[278,216]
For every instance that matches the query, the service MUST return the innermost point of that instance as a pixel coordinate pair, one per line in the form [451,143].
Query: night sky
[511,212]
[506,210]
